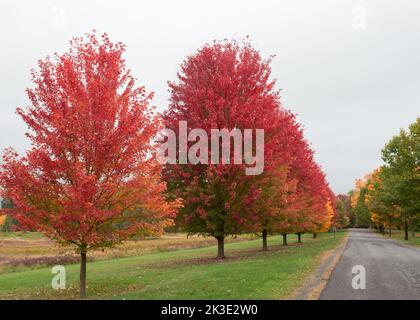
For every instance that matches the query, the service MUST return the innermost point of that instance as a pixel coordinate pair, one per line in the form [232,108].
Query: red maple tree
[312,193]
[89,179]
[271,213]
[225,85]
[293,191]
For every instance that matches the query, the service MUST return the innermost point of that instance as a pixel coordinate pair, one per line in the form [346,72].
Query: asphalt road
[392,269]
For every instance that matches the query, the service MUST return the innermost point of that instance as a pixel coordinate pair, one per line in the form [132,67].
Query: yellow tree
[383,214]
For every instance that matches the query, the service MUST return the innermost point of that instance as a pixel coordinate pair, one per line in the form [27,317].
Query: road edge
[320,277]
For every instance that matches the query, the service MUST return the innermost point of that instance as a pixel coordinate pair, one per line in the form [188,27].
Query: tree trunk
[299,238]
[405,230]
[390,231]
[413,233]
[220,247]
[83,274]
[315,235]
[284,239]
[264,238]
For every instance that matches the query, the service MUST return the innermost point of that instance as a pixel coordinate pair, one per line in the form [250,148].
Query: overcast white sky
[349,69]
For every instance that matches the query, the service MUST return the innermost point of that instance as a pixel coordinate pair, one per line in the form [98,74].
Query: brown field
[20,250]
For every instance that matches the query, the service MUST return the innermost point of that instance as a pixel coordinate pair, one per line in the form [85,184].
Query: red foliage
[294,192]
[225,85]
[88,179]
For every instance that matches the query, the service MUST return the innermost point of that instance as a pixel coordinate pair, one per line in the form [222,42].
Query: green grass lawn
[247,273]
[399,236]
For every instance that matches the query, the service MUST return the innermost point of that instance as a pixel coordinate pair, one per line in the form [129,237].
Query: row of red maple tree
[91,180]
